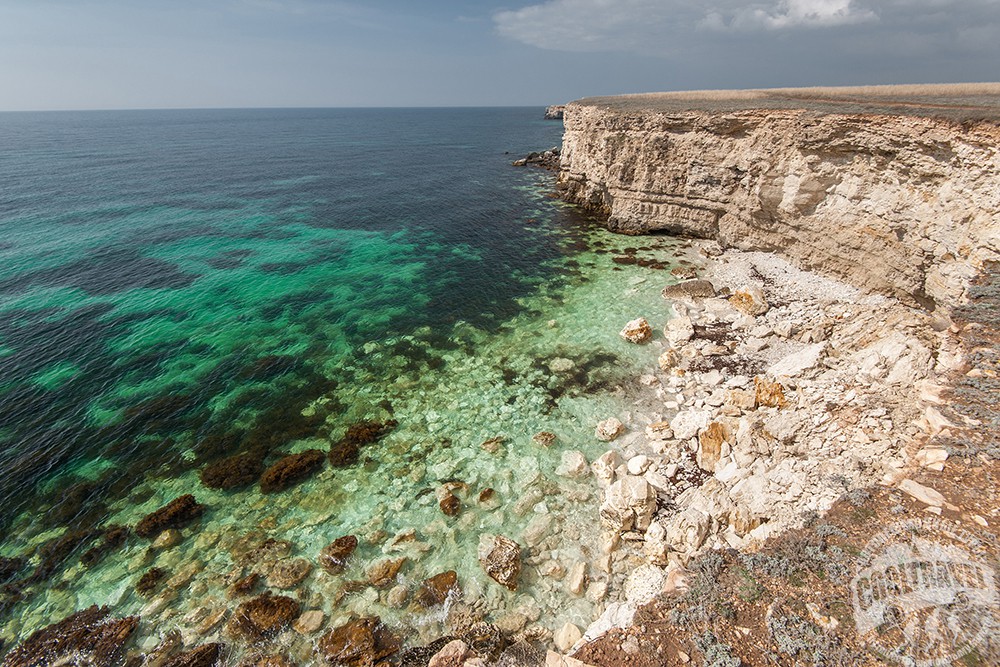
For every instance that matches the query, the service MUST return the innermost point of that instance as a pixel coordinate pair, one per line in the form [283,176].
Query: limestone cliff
[894,189]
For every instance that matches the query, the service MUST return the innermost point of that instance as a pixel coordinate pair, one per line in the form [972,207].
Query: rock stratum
[895,189]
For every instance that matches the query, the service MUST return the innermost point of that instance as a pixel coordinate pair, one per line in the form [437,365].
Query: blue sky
[79,54]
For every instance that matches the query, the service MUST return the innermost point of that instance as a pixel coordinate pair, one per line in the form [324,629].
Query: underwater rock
[206,655]
[333,557]
[245,586]
[290,470]
[267,661]
[492,445]
[54,553]
[383,572]
[637,331]
[167,539]
[360,643]
[149,581]
[289,573]
[176,514]
[113,539]
[544,438]
[450,504]
[346,451]
[309,622]
[689,289]
[263,616]
[501,559]
[9,567]
[233,472]
[434,590]
[88,637]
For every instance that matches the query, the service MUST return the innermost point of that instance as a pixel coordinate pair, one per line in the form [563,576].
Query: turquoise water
[178,287]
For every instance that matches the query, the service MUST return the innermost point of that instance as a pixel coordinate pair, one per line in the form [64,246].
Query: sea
[178,287]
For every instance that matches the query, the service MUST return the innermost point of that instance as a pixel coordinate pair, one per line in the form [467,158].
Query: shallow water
[181,286]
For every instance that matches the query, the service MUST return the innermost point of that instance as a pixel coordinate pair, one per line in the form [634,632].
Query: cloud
[670,27]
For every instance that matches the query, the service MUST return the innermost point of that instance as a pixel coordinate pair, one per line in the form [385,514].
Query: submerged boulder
[290,470]
[333,557]
[178,513]
[347,450]
[435,590]
[206,655]
[359,643]
[264,616]
[88,637]
[233,472]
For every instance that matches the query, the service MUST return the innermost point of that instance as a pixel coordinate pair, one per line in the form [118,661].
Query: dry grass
[955,101]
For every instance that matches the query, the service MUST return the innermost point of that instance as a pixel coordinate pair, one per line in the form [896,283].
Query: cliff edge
[893,188]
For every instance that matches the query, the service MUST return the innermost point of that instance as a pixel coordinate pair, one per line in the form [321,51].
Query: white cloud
[664,27]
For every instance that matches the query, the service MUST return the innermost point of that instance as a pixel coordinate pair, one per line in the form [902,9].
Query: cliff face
[900,203]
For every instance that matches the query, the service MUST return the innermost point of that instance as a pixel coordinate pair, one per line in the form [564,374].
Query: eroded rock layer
[896,190]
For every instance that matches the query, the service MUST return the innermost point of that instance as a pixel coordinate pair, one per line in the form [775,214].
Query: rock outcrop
[894,189]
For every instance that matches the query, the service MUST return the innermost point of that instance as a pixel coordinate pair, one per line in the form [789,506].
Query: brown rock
[233,472]
[333,558]
[245,586]
[450,504]
[207,655]
[501,559]
[710,445]
[492,445]
[346,451]
[769,394]
[149,581]
[88,637]
[544,438]
[178,513]
[360,643]
[435,590]
[290,470]
[689,289]
[263,616]
[383,573]
[289,573]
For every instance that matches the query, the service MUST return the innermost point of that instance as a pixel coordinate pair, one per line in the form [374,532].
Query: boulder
[689,289]
[710,441]
[452,654]
[361,642]
[544,438]
[574,464]
[608,430]
[289,573]
[750,301]
[88,637]
[206,655]
[797,363]
[687,531]
[669,359]
[628,503]
[178,513]
[500,558]
[264,616]
[769,394]
[604,467]
[637,331]
[688,423]
[383,573]
[679,330]
[566,637]
[333,557]
[233,472]
[347,450]
[309,622]
[449,504]
[290,470]
[435,590]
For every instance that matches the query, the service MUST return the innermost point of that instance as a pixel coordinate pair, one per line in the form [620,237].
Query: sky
[114,54]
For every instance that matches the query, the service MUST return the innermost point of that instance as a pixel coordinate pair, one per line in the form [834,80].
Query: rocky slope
[895,189]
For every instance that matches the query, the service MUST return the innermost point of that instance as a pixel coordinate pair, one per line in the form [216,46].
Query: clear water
[179,286]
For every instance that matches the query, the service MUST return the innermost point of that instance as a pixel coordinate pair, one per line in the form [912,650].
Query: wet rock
[544,438]
[267,661]
[88,637]
[290,470]
[113,539]
[150,581]
[435,590]
[689,289]
[500,558]
[54,553]
[346,451]
[383,573]
[561,365]
[264,616]
[233,472]
[452,654]
[167,539]
[206,655]
[637,331]
[333,558]
[360,643]
[9,567]
[289,573]
[608,430]
[450,504]
[397,596]
[178,513]
[750,301]
[245,586]
[309,622]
